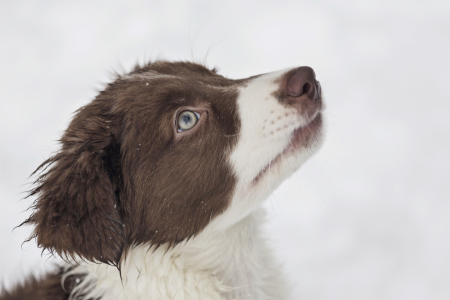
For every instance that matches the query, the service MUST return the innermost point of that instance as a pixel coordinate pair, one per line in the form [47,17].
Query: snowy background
[367,218]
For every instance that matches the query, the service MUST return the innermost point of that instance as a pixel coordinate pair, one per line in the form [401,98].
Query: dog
[157,190]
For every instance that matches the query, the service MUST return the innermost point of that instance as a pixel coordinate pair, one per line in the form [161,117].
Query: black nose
[303,82]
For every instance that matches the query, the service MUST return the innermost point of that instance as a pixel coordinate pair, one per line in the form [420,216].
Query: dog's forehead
[182,71]
[161,88]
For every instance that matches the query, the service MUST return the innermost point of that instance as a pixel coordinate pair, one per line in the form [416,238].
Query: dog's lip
[300,137]
[303,135]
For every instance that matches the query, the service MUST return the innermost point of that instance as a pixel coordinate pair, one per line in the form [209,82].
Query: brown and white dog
[156,192]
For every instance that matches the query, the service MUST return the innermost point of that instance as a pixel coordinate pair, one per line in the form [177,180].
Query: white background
[367,218]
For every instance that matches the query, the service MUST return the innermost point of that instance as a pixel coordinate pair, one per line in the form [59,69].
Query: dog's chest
[227,265]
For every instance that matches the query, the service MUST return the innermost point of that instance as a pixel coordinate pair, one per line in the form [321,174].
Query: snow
[367,218]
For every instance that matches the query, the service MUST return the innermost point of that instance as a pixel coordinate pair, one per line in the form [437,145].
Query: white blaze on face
[266,127]
[259,159]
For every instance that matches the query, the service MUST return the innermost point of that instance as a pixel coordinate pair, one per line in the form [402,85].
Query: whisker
[231,135]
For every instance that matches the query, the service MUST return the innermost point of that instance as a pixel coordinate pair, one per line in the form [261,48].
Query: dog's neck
[230,264]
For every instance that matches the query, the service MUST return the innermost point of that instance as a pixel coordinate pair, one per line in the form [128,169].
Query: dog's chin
[305,141]
[306,137]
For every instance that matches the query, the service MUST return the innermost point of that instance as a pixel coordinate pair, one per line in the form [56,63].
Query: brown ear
[76,211]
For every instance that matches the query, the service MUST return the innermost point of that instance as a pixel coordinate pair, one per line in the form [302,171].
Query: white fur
[261,115]
[231,264]
[230,258]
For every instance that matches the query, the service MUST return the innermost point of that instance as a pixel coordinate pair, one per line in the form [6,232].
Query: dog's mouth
[301,138]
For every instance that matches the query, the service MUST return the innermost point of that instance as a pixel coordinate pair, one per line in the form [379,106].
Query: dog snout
[302,84]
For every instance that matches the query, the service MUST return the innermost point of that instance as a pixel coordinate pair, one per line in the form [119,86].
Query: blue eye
[187,119]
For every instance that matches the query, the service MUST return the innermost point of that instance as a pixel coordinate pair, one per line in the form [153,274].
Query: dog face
[168,150]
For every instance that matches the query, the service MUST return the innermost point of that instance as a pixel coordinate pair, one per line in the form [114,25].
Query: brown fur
[46,288]
[124,176]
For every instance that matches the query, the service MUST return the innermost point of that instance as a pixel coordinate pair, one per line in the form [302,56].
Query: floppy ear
[76,211]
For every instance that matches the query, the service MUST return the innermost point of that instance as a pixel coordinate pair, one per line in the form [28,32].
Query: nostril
[306,88]
[301,82]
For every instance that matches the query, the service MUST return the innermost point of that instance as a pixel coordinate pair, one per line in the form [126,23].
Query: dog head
[169,149]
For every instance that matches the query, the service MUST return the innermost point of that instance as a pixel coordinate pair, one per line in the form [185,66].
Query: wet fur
[128,197]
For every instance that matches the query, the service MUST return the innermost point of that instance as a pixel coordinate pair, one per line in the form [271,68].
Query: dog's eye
[187,119]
